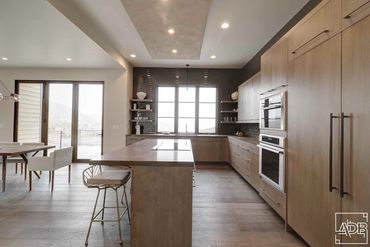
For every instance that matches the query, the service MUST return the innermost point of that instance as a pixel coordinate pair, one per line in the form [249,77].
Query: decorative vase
[141,95]
[234,95]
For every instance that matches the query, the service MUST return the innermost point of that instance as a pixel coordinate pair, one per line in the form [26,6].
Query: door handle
[331,187]
[341,189]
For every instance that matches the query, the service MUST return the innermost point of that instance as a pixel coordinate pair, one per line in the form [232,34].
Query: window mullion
[176,109]
[197,110]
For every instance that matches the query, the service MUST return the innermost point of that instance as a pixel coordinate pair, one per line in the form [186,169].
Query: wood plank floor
[227,213]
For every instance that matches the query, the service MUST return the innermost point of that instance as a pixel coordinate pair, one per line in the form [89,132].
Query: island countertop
[143,153]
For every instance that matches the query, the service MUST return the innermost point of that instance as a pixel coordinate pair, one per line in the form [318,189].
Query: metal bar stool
[94,177]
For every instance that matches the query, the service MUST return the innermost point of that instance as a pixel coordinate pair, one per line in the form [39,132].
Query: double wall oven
[273,111]
[272,160]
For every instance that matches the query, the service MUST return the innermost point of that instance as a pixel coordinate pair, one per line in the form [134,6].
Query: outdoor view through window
[187,109]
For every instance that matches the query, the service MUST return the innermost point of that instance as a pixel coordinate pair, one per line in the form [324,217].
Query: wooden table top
[143,154]
[13,150]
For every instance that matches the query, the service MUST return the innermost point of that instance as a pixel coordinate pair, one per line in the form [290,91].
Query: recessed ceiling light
[174,51]
[213,56]
[4,59]
[133,55]
[68,59]
[171,31]
[225,25]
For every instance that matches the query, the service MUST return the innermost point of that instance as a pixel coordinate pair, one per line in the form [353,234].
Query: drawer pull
[357,10]
[325,31]
[269,197]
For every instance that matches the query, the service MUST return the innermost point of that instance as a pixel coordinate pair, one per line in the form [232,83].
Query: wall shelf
[141,120]
[224,111]
[228,101]
[142,100]
[141,110]
[229,122]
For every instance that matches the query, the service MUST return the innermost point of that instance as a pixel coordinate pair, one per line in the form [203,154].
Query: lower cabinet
[244,159]
[275,198]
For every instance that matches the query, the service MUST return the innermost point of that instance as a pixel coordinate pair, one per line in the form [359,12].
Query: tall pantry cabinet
[328,119]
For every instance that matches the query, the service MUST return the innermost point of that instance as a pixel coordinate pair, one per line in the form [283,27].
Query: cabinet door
[354,11]
[314,93]
[255,106]
[356,104]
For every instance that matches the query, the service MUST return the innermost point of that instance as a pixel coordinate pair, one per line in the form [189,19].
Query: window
[187,109]
[207,110]
[166,109]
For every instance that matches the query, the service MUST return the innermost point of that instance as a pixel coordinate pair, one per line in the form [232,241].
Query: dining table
[161,190]
[24,151]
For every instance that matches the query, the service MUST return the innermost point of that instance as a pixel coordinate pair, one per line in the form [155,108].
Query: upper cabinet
[354,11]
[274,67]
[248,104]
[321,26]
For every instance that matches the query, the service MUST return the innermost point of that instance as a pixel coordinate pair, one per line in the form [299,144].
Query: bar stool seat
[109,178]
[94,177]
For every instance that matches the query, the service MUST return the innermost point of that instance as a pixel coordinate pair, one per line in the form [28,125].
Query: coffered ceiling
[103,33]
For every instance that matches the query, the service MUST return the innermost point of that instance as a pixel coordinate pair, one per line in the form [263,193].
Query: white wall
[117,93]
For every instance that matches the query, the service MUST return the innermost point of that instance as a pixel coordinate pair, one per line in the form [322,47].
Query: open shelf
[141,110]
[141,120]
[142,100]
[228,122]
[224,111]
[228,101]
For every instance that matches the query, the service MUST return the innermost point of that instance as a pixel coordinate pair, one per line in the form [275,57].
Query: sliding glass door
[61,114]
[90,115]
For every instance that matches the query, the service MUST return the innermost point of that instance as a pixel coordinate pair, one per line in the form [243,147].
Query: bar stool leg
[127,206]
[21,168]
[16,168]
[92,218]
[102,215]
[118,218]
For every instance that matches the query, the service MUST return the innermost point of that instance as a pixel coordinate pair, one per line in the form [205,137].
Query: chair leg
[128,207]
[52,180]
[16,168]
[25,171]
[69,174]
[118,218]
[21,168]
[102,215]
[49,177]
[92,218]
[30,179]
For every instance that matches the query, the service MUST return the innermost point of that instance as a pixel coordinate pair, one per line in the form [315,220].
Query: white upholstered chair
[57,159]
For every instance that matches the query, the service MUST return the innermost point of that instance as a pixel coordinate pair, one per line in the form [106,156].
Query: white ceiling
[35,34]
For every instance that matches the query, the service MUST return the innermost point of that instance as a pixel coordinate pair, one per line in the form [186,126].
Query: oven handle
[270,149]
[272,107]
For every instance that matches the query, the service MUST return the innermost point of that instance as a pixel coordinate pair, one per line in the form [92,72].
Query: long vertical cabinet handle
[331,187]
[341,189]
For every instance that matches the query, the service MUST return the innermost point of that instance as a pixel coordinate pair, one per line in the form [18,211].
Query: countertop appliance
[272,160]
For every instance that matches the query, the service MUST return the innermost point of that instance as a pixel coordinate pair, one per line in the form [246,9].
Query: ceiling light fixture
[68,59]
[133,55]
[174,51]
[4,59]
[225,25]
[12,96]
[171,31]
[213,56]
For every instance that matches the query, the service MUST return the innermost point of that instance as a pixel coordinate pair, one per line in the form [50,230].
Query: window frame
[197,103]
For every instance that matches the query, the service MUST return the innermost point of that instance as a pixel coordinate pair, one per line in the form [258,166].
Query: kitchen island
[161,190]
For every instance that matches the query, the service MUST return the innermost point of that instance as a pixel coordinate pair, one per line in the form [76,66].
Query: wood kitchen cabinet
[244,159]
[314,92]
[355,104]
[210,149]
[248,104]
[274,67]
[354,11]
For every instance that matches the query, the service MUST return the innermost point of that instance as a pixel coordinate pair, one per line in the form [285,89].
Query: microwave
[272,160]
[273,111]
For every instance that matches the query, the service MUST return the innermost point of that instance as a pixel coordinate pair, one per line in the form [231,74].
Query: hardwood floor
[227,213]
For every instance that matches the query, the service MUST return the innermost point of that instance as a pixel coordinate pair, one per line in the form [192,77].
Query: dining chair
[57,159]
[13,160]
